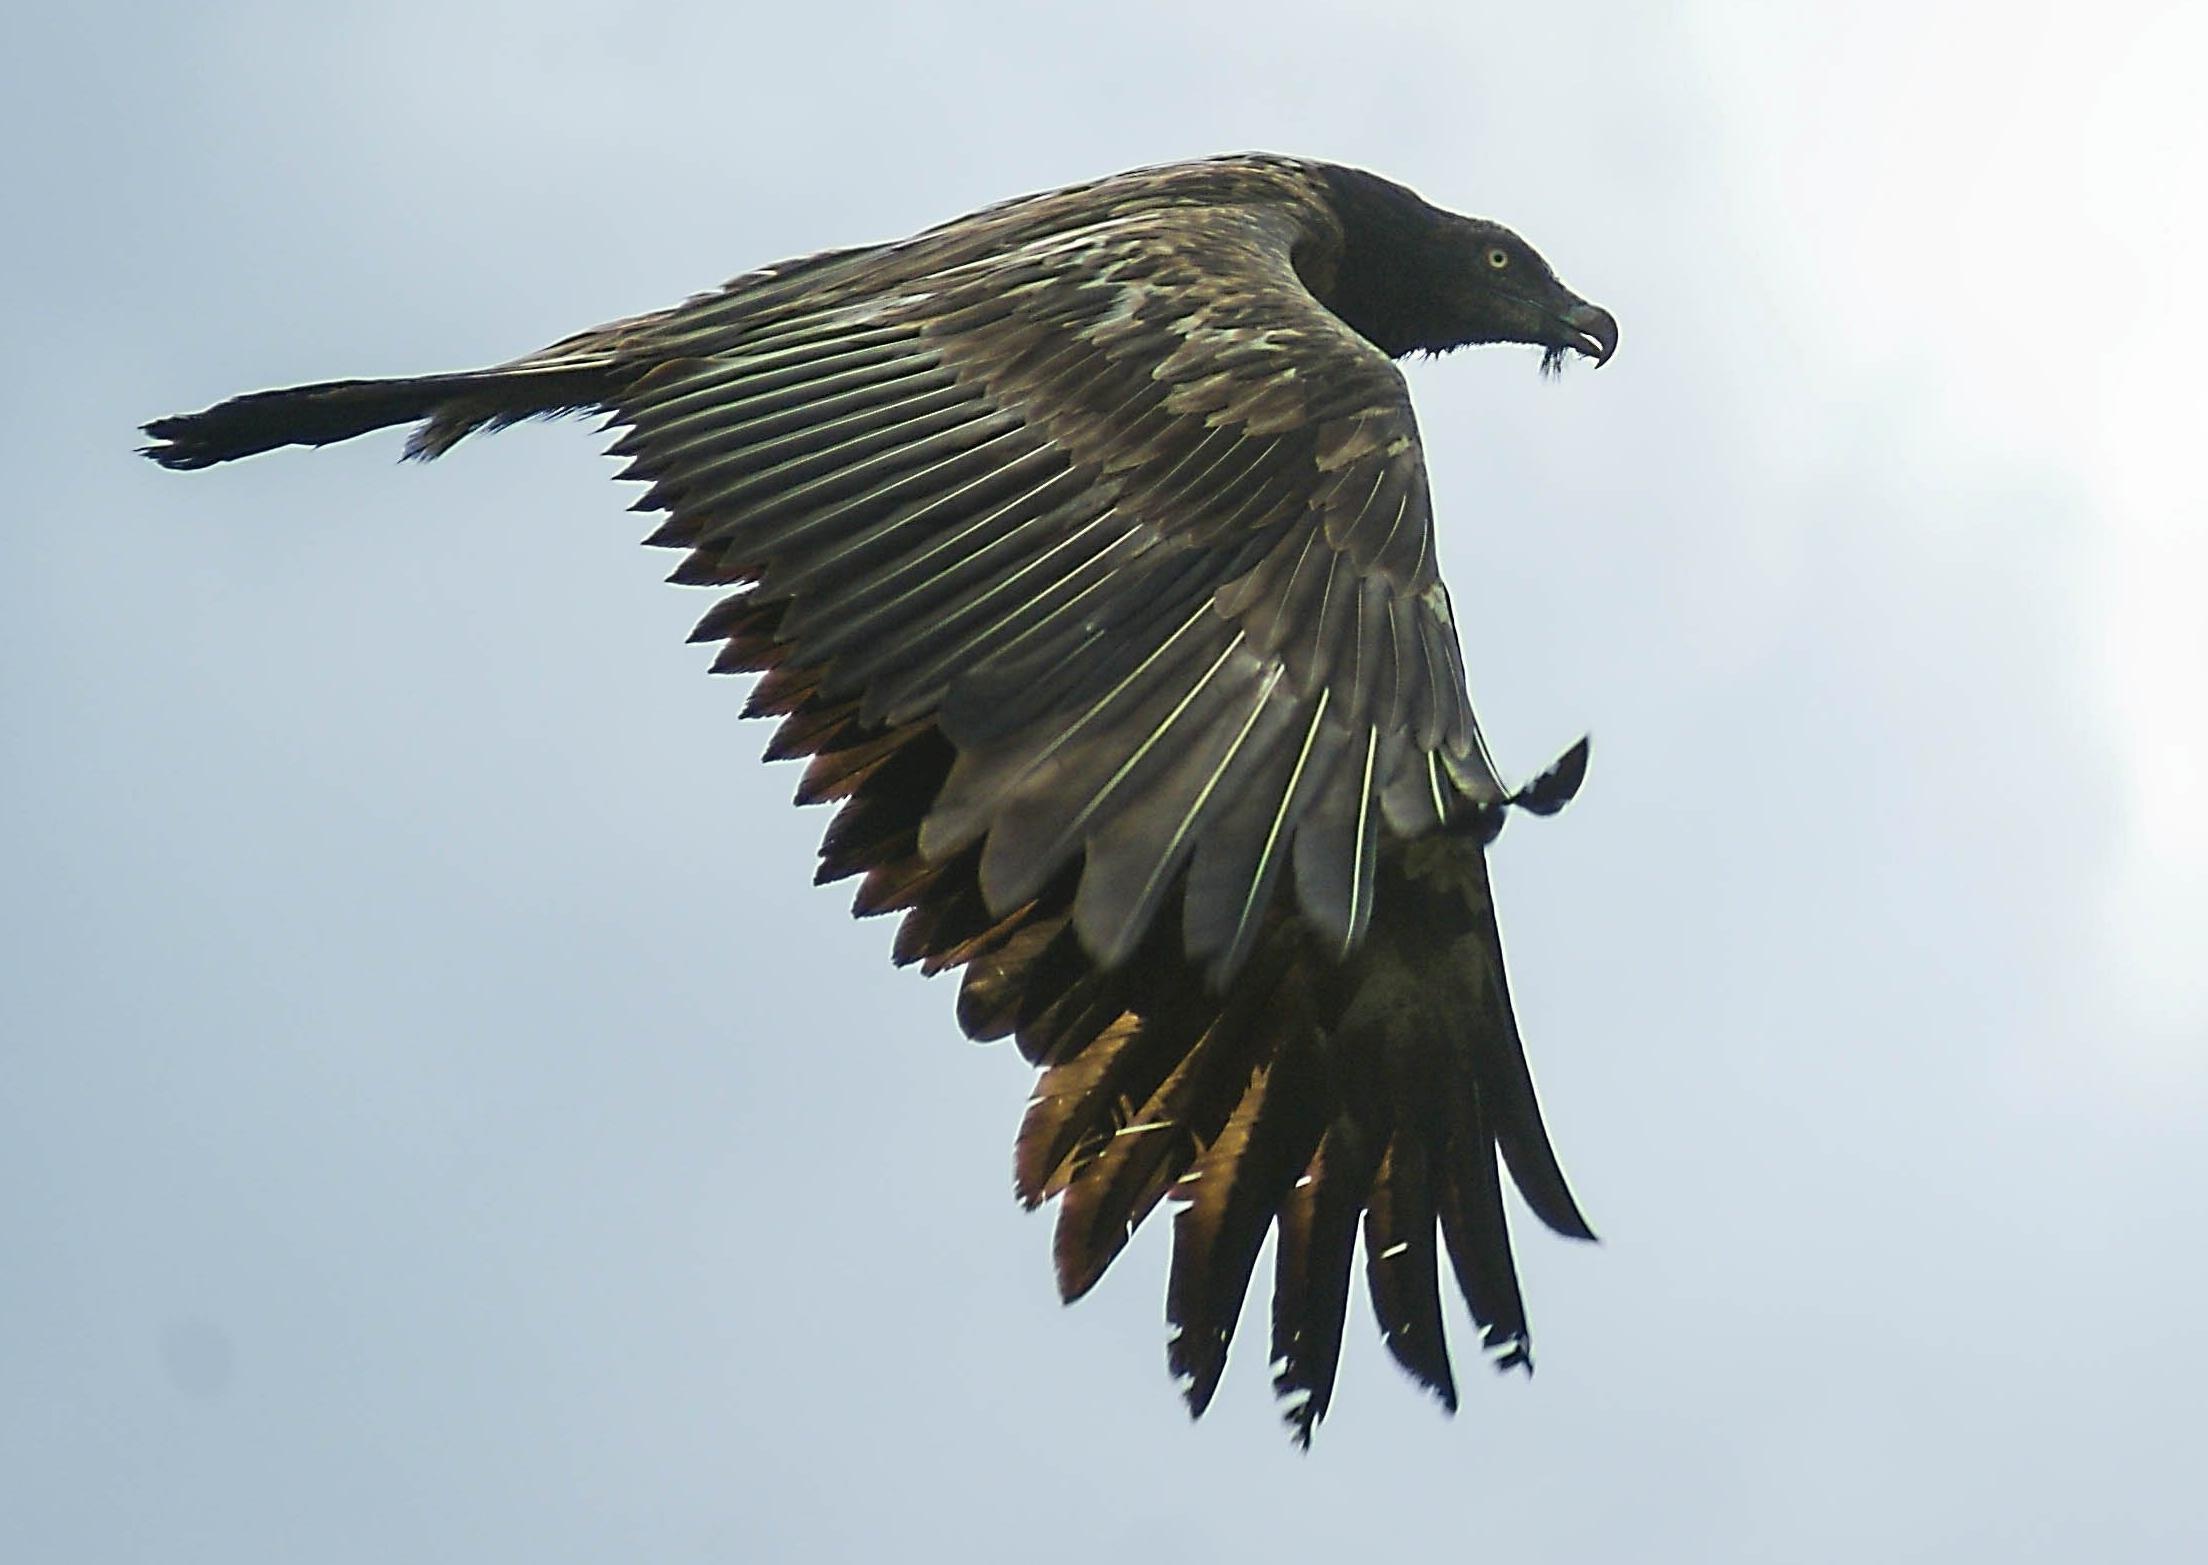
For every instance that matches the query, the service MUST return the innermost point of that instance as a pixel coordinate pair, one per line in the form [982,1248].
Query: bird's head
[1414,278]
[1498,289]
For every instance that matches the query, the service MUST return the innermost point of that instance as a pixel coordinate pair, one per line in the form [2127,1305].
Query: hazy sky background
[440,1122]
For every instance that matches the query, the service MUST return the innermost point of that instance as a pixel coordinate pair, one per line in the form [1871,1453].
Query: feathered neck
[1399,253]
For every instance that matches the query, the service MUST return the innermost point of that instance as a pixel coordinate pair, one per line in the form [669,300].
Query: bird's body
[1084,546]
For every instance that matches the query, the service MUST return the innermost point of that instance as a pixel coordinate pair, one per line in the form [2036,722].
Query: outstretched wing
[1092,560]
[1132,518]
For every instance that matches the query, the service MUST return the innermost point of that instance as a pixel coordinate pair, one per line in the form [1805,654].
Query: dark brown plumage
[1084,546]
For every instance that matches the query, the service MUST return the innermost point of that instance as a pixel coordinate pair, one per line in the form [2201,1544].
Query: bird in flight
[1084,547]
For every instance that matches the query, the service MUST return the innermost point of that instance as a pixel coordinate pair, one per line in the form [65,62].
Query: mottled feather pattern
[1083,548]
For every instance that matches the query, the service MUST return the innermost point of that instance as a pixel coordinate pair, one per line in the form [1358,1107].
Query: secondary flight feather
[1084,547]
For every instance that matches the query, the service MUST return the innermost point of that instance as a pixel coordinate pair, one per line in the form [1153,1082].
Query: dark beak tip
[1598,331]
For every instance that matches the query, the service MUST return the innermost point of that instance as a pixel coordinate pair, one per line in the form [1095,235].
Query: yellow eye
[1498,258]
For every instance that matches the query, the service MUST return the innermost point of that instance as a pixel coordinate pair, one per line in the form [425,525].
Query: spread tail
[450,406]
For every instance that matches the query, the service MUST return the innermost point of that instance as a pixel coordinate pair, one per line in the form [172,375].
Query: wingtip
[1559,785]
[171,446]
[1514,1351]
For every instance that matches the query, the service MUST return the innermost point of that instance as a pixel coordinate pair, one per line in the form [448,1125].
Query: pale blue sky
[443,1123]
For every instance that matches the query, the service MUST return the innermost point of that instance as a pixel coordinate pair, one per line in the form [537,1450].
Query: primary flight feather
[1084,545]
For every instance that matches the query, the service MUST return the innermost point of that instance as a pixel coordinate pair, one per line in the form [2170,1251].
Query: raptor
[1083,547]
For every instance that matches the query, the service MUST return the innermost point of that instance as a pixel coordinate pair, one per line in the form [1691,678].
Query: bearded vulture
[1084,547]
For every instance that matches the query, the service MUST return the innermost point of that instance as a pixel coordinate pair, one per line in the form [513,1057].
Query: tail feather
[450,406]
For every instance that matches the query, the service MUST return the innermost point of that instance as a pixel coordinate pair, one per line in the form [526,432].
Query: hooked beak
[1589,329]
